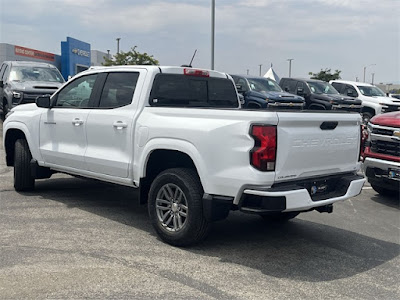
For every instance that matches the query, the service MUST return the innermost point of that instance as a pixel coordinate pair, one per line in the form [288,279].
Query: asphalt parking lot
[74,238]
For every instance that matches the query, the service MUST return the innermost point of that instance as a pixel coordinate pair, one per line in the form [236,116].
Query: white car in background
[374,100]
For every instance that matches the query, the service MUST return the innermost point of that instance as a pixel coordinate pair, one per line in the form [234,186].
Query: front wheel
[366,116]
[5,110]
[384,192]
[175,207]
[23,180]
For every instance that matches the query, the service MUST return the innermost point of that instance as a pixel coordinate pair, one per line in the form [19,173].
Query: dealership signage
[22,51]
[81,52]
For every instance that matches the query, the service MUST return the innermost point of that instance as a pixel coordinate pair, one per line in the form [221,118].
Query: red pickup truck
[382,154]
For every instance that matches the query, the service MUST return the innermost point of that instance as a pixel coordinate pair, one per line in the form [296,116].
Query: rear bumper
[298,196]
[377,172]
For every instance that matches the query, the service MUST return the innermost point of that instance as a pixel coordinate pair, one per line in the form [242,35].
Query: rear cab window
[191,91]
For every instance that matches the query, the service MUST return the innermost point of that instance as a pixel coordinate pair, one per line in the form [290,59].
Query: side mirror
[350,93]
[1,84]
[240,88]
[286,89]
[300,91]
[43,101]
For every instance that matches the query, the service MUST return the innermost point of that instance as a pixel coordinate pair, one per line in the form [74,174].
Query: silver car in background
[22,81]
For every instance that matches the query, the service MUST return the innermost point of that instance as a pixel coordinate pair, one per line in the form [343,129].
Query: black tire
[23,180]
[5,110]
[280,217]
[178,193]
[366,116]
[254,106]
[384,192]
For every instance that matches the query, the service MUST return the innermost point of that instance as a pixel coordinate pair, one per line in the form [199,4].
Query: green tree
[132,57]
[325,75]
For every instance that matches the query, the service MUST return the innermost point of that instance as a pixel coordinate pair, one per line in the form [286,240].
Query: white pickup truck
[180,136]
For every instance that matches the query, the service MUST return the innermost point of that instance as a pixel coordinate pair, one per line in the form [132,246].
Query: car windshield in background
[23,73]
[371,91]
[321,88]
[263,85]
[191,91]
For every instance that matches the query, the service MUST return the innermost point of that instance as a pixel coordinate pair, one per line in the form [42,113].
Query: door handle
[119,125]
[77,122]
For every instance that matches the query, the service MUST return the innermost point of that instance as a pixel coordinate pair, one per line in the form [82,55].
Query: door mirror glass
[1,84]
[43,101]
[240,88]
[300,91]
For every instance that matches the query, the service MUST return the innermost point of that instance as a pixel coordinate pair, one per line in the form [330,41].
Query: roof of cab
[29,63]
[158,69]
[351,82]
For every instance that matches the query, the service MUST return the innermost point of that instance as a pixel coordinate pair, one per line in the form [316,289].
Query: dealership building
[76,56]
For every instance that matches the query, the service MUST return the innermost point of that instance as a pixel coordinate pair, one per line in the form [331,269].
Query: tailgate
[315,144]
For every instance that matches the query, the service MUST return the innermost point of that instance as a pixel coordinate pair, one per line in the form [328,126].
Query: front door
[63,127]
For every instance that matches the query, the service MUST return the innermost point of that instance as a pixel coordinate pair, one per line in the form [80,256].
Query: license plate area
[394,174]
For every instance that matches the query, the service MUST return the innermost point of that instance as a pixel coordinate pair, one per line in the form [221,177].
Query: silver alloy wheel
[171,207]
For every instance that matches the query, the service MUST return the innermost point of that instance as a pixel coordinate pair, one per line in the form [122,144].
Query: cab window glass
[3,68]
[191,91]
[77,93]
[338,86]
[351,91]
[290,86]
[5,75]
[118,89]
[243,84]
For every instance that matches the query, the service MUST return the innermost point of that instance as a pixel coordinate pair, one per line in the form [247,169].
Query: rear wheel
[23,180]
[176,207]
[280,217]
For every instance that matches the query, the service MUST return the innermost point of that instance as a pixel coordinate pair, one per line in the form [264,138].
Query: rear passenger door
[110,126]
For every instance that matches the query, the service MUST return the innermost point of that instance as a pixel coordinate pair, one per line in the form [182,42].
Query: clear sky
[347,35]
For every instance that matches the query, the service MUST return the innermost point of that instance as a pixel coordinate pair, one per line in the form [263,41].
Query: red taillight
[263,155]
[194,72]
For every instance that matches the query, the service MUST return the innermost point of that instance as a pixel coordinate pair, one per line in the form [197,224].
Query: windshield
[321,88]
[263,85]
[371,91]
[25,73]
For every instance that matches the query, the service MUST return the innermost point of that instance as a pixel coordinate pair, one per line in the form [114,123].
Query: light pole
[290,66]
[108,54]
[373,75]
[212,32]
[365,68]
[118,45]
[260,69]
[247,71]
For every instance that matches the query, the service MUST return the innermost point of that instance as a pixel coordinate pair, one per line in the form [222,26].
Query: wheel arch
[13,131]
[368,109]
[254,104]
[317,106]
[164,155]
[12,135]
